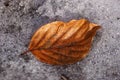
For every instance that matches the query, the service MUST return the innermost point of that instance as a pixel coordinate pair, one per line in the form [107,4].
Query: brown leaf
[61,43]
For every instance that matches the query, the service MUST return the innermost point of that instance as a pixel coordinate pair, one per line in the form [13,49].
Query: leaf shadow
[97,38]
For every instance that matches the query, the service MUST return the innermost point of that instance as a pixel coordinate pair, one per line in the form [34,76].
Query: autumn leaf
[61,43]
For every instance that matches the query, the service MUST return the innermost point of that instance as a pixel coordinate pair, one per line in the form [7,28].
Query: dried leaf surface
[61,43]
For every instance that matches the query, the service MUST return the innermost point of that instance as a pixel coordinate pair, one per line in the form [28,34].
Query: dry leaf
[61,43]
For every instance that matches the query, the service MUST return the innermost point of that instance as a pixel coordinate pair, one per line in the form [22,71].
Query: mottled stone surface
[19,19]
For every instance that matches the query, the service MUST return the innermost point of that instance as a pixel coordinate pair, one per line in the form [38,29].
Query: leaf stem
[25,52]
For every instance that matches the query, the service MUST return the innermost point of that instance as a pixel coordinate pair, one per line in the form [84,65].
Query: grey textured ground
[19,19]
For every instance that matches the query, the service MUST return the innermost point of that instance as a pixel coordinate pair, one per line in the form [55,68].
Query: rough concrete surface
[19,19]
